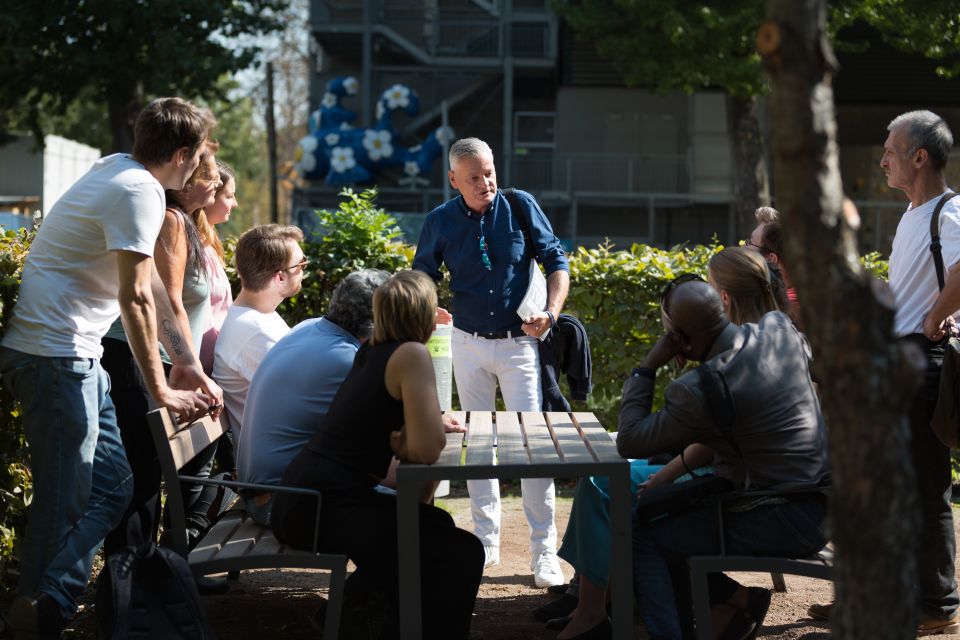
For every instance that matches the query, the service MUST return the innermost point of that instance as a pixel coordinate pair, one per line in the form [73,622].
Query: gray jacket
[778,426]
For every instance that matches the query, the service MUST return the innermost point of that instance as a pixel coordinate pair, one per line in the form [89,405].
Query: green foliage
[116,54]
[616,294]
[675,45]
[15,480]
[875,265]
[357,235]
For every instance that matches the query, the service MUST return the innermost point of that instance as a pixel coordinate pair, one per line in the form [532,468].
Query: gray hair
[351,306]
[766,215]
[928,131]
[468,147]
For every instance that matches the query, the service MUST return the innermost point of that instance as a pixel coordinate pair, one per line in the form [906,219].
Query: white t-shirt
[913,276]
[245,338]
[68,296]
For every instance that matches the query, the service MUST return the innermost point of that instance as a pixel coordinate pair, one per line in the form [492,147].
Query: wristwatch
[643,372]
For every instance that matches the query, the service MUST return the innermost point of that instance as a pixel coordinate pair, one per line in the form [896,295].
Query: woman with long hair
[178,258]
[221,297]
[387,406]
[746,284]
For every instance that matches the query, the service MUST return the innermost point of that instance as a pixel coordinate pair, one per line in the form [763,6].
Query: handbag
[679,497]
[946,416]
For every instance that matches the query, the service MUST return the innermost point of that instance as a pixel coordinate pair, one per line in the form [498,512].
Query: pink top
[221,297]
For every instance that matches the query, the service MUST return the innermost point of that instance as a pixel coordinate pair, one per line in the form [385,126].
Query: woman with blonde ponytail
[746,285]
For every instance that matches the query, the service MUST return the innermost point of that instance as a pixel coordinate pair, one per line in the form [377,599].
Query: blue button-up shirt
[486,300]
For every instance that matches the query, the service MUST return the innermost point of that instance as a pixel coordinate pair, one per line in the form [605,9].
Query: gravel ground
[277,604]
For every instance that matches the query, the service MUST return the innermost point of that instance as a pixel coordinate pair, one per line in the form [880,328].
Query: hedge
[615,293]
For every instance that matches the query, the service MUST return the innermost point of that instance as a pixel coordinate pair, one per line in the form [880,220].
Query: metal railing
[624,174]
[448,32]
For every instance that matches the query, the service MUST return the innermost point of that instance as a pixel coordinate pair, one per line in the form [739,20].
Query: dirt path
[277,604]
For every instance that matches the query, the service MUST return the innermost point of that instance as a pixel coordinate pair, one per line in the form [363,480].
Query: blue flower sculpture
[342,155]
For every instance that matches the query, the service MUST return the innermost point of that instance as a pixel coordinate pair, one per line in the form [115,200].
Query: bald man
[777,428]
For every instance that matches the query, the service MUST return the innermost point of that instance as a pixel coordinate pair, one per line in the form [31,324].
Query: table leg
[408,547]
[621,553]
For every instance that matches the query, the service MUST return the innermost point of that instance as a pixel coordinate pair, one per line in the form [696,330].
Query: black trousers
[130,396]
[931,461]
[363,526]
[132,401]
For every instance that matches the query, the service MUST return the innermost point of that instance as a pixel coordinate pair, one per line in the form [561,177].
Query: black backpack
[149,592]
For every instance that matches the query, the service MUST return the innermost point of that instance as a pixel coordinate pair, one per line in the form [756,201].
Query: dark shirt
[486,301]
[351,447]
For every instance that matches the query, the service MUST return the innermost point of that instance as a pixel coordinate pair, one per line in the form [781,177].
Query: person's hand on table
[452,425]
[443,316]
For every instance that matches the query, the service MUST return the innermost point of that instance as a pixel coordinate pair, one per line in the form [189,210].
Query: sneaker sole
[939,631]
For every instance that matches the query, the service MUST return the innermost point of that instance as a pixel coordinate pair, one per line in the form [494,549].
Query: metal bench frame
[234,542]
[817,566]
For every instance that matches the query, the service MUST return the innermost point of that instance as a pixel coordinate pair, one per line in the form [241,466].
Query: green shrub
[616,294]
[357,235]
[16,484]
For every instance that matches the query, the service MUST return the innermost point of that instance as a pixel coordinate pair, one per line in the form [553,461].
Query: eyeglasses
[300,265]
[759,247]
[484,256]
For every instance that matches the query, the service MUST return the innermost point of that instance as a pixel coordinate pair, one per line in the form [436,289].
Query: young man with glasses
[271,266]
[487,241]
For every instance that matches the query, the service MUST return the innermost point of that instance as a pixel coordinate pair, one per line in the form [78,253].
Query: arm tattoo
[176,342]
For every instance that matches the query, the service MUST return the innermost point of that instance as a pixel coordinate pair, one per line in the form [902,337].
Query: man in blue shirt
[296,382]
[487,241]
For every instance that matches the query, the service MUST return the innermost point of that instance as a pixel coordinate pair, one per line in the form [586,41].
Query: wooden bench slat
[510,448]
[570,444]
[596,437]
[188,442]
[453,452]
[540,444]
[243,539]
[267,545]
[215,538]
[480,438]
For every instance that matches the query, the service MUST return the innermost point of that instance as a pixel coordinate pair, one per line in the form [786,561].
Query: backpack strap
[120,569]
[180,571]
[520,213]
[935,237]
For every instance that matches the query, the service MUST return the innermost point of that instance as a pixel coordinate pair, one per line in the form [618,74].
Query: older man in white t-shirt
[914,158]
[90,262]
[270,264]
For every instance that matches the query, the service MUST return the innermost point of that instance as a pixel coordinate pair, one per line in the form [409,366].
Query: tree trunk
[866,379]
[751,185]
[123,105]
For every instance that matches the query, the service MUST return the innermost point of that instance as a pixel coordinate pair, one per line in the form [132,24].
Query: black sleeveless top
[351,447]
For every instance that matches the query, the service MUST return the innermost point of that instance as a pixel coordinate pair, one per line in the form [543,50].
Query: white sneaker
[491,556]
[546,570]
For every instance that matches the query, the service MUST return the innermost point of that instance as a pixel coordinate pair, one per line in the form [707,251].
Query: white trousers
[478,364]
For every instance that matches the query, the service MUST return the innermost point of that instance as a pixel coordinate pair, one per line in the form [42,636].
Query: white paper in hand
[535,299]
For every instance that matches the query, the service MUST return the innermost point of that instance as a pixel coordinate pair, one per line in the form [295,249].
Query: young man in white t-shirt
[270,264]
[90,262]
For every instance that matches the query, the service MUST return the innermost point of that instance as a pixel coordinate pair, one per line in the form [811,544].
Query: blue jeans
[81,480]
[661,576]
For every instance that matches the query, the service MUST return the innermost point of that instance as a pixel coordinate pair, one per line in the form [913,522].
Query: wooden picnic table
[528,444]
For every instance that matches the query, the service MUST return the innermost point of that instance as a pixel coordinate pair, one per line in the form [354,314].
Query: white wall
[64,161]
